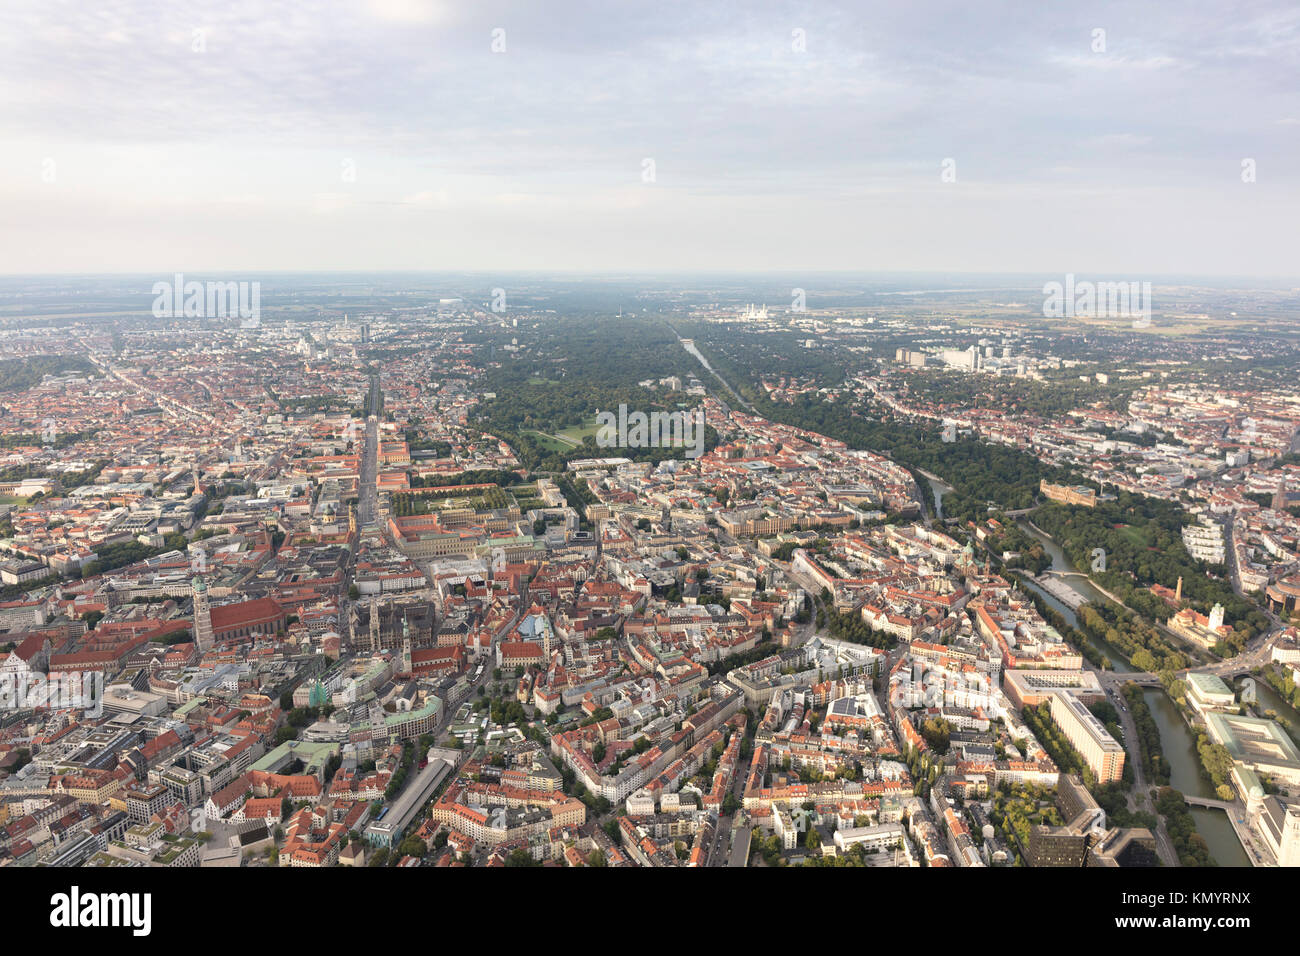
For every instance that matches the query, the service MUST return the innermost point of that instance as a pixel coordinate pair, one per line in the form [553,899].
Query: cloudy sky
[390,134]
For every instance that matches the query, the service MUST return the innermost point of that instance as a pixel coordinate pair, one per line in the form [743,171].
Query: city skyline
[561,435]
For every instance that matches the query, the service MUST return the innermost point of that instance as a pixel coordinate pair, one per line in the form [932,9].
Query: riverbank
[1178,746]
[1177,740]
[1086,591]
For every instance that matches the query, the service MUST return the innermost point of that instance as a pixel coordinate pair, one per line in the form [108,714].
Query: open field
[576,433]
[551,442]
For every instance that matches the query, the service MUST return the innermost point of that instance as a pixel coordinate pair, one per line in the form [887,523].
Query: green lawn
[576,433]
[550,443]
[1135,535]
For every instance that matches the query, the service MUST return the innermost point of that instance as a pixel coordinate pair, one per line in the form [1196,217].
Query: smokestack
[1178,593]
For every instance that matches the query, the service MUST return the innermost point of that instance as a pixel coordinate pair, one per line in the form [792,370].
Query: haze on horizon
[384,135]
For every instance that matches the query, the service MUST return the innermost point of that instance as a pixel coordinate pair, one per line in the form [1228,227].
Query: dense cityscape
[504,436]
[403,572]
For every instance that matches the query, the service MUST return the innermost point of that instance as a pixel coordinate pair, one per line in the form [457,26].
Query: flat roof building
[884,836]
[1029,688]
[1206,692]
[387,830]
[1262,745]
[1103,754]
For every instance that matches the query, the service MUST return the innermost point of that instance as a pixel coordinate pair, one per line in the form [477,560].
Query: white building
[641,803]
[884,836]
[1205,541]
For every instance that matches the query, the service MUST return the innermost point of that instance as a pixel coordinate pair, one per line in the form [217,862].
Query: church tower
[202,616]
[406,646]
[374,625]
[378,733]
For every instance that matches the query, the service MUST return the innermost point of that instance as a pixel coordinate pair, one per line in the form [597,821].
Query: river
[699,356]
[1176,738]
[689,346]
[939,489]
[1062,563]
[1059,562]
[1185,776]
[1267,699]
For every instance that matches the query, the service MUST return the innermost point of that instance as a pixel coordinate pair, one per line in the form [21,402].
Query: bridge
[1256,850]
[1227,673]
[1141,678]
[1210,804]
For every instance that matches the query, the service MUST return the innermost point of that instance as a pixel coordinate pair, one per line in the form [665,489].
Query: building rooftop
[1254,740]
[1207,685]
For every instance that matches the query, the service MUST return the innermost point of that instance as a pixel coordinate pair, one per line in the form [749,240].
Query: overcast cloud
[126,149]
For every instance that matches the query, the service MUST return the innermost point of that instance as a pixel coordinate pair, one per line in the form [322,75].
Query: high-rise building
[1289,849]
[1279,825]
[1056,846]
[1102,752]
[1085,839]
